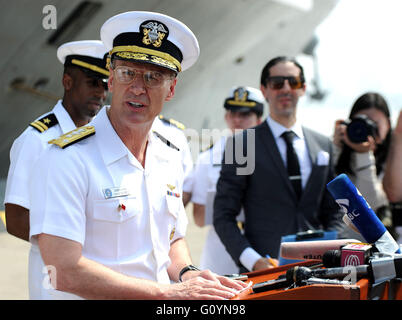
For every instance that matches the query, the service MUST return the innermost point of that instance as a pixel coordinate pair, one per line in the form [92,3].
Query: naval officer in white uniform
[174,130]
[85,84]
[106,199]
[244,108]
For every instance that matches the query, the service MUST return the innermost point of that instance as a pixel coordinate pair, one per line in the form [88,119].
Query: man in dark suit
[282,183]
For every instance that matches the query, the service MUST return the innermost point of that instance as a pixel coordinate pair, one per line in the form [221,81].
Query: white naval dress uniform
[95,192]
[179,139]
[24,152]
[206,174]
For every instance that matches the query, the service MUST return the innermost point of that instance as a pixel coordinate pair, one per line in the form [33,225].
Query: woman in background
[361,146]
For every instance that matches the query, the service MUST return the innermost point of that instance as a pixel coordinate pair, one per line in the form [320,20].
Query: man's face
[87,94]
[282,102]
[241,120]
[135,102]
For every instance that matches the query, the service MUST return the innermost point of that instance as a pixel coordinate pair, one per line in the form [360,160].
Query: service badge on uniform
[171,187]
[174,194]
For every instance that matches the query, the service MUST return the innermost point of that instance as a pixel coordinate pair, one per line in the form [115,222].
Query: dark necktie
[293,163]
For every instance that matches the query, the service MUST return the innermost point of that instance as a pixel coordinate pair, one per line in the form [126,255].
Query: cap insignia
[241,95]
[154,32]
[240,99]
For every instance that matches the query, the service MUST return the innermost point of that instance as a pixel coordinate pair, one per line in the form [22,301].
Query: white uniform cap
[87,54]
[151,38]
[245,99]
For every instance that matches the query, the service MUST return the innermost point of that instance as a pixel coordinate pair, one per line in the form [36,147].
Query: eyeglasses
[152,79]
[278,82]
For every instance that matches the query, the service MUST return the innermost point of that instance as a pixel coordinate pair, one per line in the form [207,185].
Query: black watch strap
[187,268]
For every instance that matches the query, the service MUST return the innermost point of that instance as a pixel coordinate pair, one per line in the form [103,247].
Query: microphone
[362,216]
[299,274]
[280,282]
[303,250]
[349,223]
[354,254]
[314,280]
[381,267]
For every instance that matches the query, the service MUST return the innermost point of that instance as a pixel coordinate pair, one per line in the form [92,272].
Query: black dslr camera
[360,127]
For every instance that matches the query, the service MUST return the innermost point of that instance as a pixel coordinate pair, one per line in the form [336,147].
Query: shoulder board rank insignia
[74,136]
[166,141]
[172,122]
[44,123]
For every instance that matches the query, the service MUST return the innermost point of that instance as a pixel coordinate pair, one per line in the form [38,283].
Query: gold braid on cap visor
[241,103]
[90,66]
[139,53]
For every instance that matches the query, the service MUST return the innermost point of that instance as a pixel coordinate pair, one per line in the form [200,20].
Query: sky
[359,50]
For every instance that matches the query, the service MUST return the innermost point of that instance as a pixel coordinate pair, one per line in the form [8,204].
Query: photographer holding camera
[361,146]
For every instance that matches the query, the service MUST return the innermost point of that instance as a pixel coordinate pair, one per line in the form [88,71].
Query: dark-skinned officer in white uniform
[106,199]
[85,87]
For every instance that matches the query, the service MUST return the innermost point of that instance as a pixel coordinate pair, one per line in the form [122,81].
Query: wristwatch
[187,268]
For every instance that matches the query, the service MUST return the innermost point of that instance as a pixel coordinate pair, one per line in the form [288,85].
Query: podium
[363,289]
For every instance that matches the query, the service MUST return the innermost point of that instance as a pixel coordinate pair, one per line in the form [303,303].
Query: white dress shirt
[299,145]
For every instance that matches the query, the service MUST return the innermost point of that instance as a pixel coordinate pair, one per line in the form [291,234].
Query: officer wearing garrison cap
[84,80]
[244,108]
[106,199]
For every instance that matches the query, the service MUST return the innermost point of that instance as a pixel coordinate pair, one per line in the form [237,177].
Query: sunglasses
[152,79]
[278,82]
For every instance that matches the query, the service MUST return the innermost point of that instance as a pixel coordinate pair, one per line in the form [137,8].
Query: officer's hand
[264,263]
[209,275]
[202,285]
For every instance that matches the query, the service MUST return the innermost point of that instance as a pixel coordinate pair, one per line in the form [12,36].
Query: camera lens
[360,127]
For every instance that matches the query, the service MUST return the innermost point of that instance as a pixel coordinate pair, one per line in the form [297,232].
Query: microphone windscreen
[362,216]
[331,258]
[356,207]
[303,250]
[295,274]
